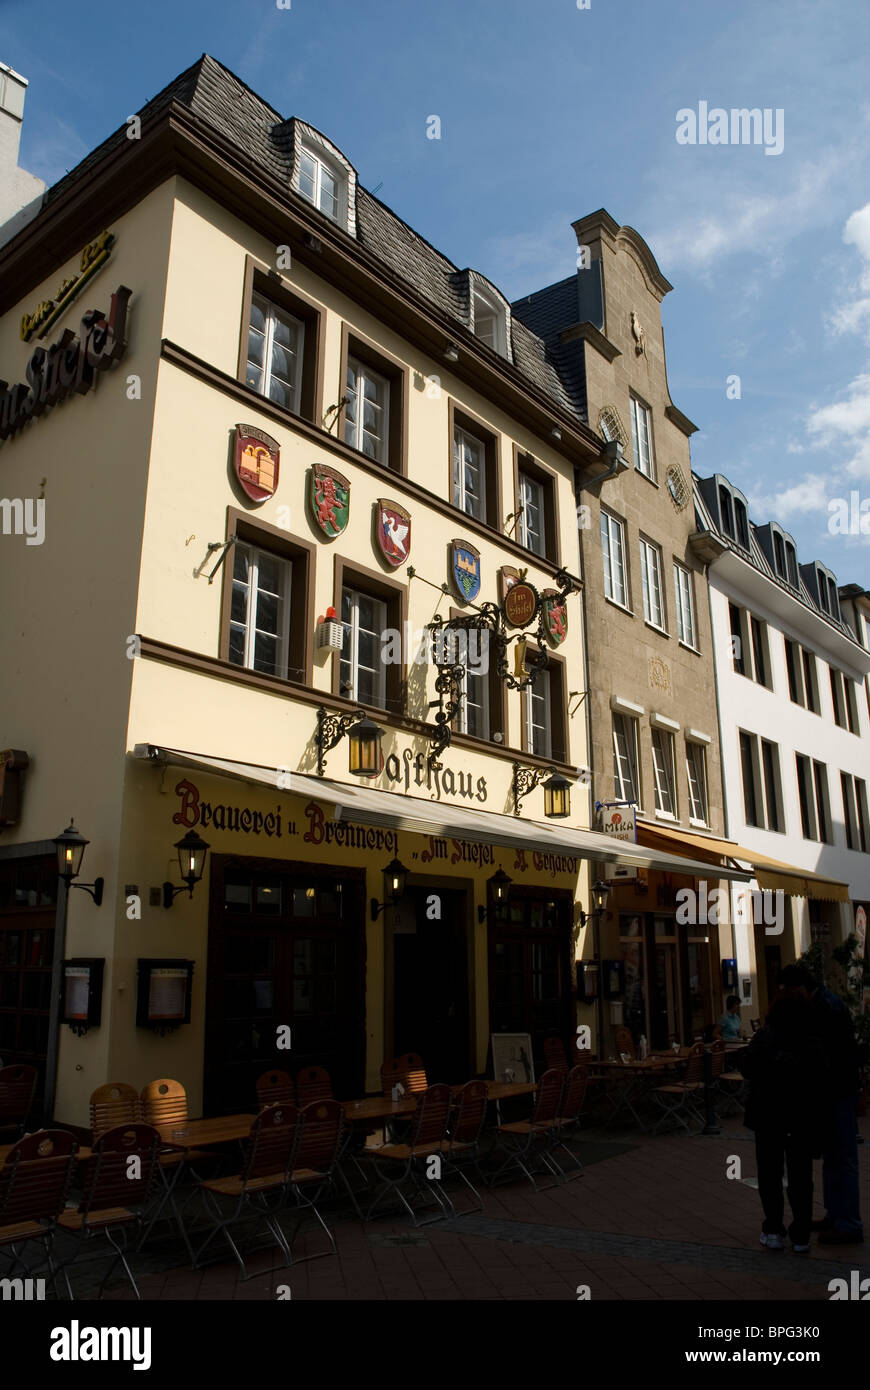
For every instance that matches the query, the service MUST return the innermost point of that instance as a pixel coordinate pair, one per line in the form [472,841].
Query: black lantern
[192,850]
[499,887]
[557,797]
[600,894]
[70,851]
[395,879]
[364,753]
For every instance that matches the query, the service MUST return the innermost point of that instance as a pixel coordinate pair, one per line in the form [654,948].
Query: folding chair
[275,1088]
[524,1137]
[461,1149]
[624,1043]
[679,1099]
[17,1089]
[258,1191]
[164,1102]
[314,1162]
[34,1184]
[315,1083]
[116,1103]
[567,1121]
[117,1181]
[400,1165]
[554,1055]
[407,1071]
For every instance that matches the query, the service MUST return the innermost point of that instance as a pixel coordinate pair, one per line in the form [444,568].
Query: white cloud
[809,495]
[853,316]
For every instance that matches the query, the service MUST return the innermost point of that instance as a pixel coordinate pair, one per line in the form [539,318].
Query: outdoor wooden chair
[527,1139]
[17,1089]
[679,1100]
[34,1183]
[257,1192]
[164,1102]
[730,1089]
[313,1083]
[275,1088]
[314,1165]
[405,1165]
[624,1043]
[116,1103]
[461,1148]
[113,1197]
[554,1055]
[567,1122]
[407,1071]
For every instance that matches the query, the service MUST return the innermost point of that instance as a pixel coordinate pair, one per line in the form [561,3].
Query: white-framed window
[320,183]
[538,717]
[613,554]
[363,675]
[663,770]
[651,582]
[490,322]
[854,791]
[641,438]
[696,771]
[473,718]
[260,610]
[626,786]
[367,412]
[533,533]
[275,343]
[685,601]
[469,473]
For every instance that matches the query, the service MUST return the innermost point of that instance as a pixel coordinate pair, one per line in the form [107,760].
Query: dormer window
[726,511]
[319,184]
[486,322]
[742,524]
[779,554]
[490,314]
[791,565]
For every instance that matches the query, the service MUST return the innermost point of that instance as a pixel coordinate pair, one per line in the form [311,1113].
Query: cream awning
[770,874]
[446,820]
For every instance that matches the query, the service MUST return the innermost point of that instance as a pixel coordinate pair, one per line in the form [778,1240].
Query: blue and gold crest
[465,569]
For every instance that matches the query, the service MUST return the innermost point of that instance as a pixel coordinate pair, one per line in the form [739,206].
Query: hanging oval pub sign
[520,604]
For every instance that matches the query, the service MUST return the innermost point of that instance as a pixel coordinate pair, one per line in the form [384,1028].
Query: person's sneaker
[772,1242]
[831,1237]
[800,1249]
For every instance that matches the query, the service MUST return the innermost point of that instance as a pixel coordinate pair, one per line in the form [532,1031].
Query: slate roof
[265,139]
[756,557]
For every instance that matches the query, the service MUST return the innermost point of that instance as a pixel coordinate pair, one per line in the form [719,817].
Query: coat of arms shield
[554,610]
[465,569]
[256,459]
[329,499]
[393,531]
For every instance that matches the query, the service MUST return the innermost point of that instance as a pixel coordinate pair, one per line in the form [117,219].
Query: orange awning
[771,874]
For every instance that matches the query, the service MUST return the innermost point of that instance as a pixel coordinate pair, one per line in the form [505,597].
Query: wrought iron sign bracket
[525,779]
[331,729]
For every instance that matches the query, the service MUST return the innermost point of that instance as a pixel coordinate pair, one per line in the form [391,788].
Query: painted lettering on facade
[413,769]
[345,834]
[195,811]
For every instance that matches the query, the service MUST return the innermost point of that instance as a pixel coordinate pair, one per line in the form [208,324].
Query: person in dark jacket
[786,1065]
[842,1223]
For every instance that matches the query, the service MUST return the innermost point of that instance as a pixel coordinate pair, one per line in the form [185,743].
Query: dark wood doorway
[430,982]
[286,946]
[530,969]
[28,897]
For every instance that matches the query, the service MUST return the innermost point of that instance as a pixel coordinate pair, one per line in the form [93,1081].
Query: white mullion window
[685,606]
[474,709]
[318,184]
[650,573]
[625,780]
[663,769]
[366,415]
[696,770]
[469,474]
[260,610]
[532,524]
[537,717]
[275,343]
[363,676]
[641,439]
[613,555]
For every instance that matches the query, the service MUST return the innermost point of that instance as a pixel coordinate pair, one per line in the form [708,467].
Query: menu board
[76,992]
[167,993]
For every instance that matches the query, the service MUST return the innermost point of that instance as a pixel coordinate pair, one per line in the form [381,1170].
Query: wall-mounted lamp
[192,850]
[364,739]
[451,353]
[498,887]
[600,894]
[557,790]
[70,852]
[395,878]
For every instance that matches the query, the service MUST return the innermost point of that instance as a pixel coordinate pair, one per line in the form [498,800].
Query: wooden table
[195,1134]
[635,1074]
[379,1108]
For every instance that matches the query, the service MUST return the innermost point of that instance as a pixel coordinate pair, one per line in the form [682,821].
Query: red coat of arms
[329,500]
[393,531]
[555,614]
[256,461]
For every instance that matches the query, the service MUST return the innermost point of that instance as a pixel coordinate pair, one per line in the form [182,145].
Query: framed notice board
[163,993]
[81,1004]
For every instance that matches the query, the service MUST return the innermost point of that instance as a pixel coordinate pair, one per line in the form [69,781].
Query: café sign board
[619,822]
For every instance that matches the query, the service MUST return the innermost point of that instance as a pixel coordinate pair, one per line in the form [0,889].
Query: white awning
[367,806]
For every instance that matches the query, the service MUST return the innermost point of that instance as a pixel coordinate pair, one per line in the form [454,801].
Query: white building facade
[791,671]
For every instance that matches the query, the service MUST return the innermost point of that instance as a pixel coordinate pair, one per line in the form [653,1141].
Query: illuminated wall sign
[46,314]
[70,364]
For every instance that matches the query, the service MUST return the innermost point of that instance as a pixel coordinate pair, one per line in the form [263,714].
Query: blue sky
[549,112]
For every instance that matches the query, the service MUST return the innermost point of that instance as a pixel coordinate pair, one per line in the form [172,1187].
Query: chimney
[21,193]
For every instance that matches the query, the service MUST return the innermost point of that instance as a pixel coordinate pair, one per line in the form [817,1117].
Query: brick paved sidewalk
[650,1219]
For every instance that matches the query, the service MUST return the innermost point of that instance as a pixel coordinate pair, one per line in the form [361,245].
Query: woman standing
[786,1066]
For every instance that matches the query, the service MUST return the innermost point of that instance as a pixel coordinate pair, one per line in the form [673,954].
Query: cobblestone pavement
[649,1219]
